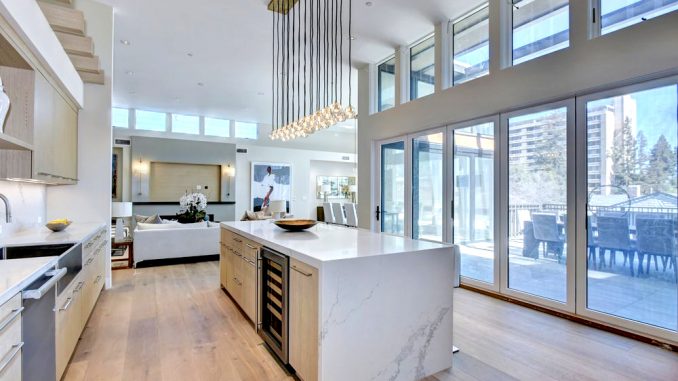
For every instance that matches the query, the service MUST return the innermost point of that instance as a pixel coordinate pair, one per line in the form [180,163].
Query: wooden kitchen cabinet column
[303,320]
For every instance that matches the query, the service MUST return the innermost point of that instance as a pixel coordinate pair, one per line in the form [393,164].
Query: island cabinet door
[224,268]
[249,288]
[303,320]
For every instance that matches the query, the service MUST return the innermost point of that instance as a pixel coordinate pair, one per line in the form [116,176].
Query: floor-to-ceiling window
[632,205]
[473,148]
[392,185]
[537,202]
[428,187]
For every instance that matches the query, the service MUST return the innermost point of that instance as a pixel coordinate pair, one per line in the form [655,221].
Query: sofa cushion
[144,226]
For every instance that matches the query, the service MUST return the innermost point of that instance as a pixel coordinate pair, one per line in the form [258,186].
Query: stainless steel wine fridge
[273,299]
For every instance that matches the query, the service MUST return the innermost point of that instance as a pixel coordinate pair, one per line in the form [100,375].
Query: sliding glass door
[629,206]
[473,162]
[428,187]
[536,208]
[391,209]
[576,214]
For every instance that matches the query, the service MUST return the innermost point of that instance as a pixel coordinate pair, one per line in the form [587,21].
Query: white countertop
[15,274]
[77,232]
[325,243]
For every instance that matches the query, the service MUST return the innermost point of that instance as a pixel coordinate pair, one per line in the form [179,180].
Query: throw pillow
[154,219]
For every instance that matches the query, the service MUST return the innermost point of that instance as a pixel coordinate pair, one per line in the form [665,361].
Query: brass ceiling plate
[281,6]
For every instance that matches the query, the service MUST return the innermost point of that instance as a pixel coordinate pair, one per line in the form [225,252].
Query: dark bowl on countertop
[295,225]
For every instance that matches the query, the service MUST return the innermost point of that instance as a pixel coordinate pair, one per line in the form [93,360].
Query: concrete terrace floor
[650,298]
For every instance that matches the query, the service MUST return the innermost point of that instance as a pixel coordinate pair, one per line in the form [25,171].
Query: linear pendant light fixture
[308,66]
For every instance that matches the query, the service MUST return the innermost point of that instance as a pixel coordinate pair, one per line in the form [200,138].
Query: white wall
[328,168]
[303,198]
[639,52]
[27,202]
[90,199]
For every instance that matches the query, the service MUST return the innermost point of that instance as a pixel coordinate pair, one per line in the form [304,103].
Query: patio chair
[591,243]
[656,238]
[547,231]
[614,236]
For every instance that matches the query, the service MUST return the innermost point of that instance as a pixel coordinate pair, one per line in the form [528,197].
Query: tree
[661,170]
[624,163]
[642,162]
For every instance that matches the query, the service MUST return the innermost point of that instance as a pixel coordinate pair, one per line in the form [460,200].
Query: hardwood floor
[175,323]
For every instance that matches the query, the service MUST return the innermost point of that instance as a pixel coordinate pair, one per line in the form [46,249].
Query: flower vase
[4,106]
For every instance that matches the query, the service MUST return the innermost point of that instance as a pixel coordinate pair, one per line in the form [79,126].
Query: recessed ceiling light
[368,3]
[129,72]
[260,93]
[125,42]
[201,84]
[189,54]
[353,38]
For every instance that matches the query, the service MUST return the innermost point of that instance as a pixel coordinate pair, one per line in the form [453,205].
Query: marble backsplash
[27,202]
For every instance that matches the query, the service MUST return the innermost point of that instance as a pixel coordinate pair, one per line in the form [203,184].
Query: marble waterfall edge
[386,318]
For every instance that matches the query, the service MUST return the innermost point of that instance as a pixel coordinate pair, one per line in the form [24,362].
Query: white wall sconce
[229,172]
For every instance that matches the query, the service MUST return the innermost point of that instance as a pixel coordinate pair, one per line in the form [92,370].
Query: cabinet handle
[238,240]
[97,279]
[66,305]
[16,348]
[13,316]
[252,247]
[78,287]
[301,272]
[250,262]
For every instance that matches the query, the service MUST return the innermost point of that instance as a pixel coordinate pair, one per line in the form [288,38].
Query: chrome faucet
[8,208]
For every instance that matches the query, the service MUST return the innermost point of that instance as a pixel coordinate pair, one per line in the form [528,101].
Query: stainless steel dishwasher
[38,326]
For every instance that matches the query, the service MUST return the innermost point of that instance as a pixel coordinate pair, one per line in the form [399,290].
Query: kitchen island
[362,305]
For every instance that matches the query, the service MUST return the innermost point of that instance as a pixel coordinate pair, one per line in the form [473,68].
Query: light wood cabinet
[55,136]
[68,324]
[75,304]
[40,139]
[238,271]
[10,338]
[303,320]
[248,275]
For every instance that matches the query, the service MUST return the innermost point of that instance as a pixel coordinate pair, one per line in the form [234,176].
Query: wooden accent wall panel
[169,181]
[20,87]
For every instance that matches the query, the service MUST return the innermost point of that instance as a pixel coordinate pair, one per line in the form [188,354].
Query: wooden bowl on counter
[295,225]
[58,226]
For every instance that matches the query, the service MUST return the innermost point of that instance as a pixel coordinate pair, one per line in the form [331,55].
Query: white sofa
[166,241]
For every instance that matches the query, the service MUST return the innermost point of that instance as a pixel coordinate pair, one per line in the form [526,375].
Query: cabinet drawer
[12,369]
[10,329]
[225,236]
[250,249]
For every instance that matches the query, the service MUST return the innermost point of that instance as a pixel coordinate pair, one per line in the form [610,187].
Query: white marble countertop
[15,274]
[77,232]
[325,243]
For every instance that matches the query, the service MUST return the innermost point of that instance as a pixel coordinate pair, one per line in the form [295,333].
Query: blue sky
[658,113]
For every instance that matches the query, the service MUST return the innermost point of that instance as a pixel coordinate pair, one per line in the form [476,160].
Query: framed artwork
[116,175]
[270,181]
[339,186]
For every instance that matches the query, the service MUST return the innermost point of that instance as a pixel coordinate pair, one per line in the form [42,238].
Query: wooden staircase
[69,26]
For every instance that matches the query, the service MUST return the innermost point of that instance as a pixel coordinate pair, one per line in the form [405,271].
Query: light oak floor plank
[175,323]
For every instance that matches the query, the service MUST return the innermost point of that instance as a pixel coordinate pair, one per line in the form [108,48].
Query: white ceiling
[230,43]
